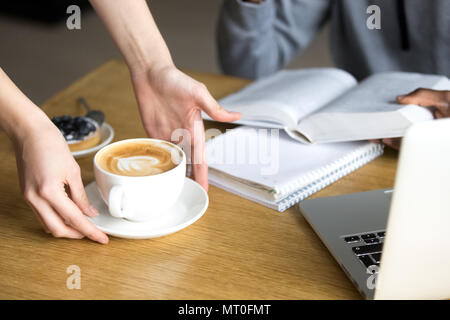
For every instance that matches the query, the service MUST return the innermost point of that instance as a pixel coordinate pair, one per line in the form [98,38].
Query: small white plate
[106,136]
[190,206]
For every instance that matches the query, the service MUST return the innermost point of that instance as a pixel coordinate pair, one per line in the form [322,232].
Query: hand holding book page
[327,105]
[370,110]
[438,101]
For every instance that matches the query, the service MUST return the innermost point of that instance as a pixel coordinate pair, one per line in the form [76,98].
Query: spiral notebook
[267,166]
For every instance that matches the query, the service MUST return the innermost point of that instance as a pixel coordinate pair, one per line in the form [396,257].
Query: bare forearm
[17,113]
[133,29]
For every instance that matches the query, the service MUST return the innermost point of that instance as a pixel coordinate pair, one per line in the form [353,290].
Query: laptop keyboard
[367,247]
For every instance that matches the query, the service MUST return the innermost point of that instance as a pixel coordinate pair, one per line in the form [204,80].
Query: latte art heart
[138,164]
[138,158]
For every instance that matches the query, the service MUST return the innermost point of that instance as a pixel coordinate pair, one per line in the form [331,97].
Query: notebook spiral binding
[319,179]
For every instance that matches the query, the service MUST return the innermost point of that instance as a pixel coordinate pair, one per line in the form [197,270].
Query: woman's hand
[51,183]
[437,101]
[170,100]
[49,176]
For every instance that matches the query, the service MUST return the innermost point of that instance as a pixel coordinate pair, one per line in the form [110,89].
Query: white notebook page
[272,160]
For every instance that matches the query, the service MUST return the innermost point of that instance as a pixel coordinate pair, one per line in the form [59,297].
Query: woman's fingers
[198,155]
[39,218]
[208,104]
[428,98]
[72,215]
[200,169]
[79,197]
[50,220]
[394,143]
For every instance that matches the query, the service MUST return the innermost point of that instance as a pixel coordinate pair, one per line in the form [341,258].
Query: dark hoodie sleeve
[255,40]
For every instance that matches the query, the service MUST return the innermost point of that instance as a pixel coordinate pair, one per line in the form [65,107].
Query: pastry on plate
[81,133]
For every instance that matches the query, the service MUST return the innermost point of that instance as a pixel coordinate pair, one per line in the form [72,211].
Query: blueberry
[69,128]
[74,128]
[56,120]
[91,127]
[79,120]
[78,136]
[70,136]
[84,130]
[68,123]
[64,119]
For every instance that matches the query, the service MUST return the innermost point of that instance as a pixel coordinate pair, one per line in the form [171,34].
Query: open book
[328,105]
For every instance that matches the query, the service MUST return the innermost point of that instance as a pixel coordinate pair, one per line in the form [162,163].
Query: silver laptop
[396,244]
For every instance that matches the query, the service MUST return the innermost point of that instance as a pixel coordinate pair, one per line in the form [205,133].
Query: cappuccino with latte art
[140,179]
[139,158]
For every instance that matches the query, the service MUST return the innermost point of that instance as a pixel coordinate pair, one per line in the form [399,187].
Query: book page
[370,110]
[289,95]
[379,92]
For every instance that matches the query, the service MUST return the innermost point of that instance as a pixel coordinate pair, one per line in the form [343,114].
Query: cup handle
[116,202]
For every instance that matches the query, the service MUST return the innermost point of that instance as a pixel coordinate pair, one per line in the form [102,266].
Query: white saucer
[106,136]
[191,205]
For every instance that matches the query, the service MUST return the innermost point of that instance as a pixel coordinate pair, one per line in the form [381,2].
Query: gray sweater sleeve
[255,40]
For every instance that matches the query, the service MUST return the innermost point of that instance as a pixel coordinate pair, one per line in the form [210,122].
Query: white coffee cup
[140,198]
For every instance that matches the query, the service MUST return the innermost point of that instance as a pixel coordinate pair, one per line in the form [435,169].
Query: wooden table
[237,250]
